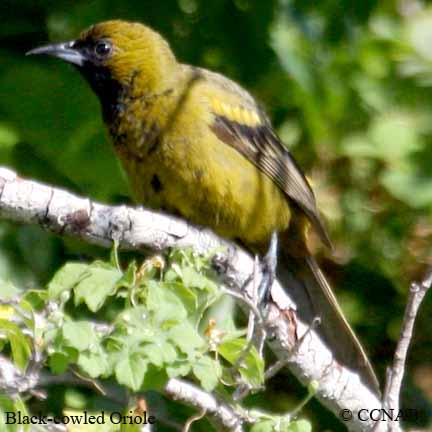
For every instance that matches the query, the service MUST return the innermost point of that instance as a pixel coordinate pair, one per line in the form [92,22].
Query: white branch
[188,393]
[395,374]
[140,229]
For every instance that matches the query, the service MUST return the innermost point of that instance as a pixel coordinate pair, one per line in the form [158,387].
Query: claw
[269,264]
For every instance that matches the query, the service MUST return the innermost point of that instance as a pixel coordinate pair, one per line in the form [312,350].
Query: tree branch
[188,393]
[140,229]
[395,374]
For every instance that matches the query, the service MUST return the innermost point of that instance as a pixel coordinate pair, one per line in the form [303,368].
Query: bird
[195,144]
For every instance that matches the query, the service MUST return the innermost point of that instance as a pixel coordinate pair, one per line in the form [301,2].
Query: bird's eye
[103,49]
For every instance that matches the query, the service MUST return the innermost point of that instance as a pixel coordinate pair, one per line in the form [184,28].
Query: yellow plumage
[179,173]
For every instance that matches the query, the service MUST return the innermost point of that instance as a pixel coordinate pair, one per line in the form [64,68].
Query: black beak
[64,51]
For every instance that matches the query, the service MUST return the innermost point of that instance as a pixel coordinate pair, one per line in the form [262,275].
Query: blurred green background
[348,85]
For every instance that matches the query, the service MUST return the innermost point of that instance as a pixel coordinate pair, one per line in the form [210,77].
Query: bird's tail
[307,285]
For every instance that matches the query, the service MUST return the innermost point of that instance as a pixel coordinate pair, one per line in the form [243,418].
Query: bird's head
[116,54]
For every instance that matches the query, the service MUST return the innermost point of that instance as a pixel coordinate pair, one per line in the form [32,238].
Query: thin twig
[192,395]
[246,301]
[243,389]
[193,419]
[395,374]
[94,383]
[251,321]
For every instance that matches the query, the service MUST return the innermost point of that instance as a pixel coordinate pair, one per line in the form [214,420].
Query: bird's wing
[240,123]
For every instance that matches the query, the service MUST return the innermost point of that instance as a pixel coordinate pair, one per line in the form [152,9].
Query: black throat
[108,90]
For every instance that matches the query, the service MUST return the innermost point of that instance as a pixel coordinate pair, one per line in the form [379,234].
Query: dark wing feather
[262,147]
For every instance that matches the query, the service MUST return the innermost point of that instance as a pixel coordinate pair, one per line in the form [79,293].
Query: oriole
[196,144]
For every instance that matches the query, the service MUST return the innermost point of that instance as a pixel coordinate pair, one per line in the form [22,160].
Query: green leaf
[95,285]
[14,408]
[21,408]
[165,305]
[6,406]
[169,353]
[130,371]
[154,354]
[160,353]
[74,398]
[134,326]
[59,362]
[186,337]
[79,335]
[231,349]
[179,368]
[263,426]
[193,279]
[94,364]
[128,278]
[252,367]
[187,296]
[36,299]
[208,371]
[298,426]
[65,279]
[20,346]
[155,379]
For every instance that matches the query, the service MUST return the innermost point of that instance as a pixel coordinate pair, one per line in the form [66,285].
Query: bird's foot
[268,265]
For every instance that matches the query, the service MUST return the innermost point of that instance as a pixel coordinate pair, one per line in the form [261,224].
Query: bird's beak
[64,51]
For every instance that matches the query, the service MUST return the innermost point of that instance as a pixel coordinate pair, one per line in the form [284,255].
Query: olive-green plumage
[196,144]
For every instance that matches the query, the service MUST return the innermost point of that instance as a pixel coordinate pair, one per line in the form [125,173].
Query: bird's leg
[256,334]
[268,264]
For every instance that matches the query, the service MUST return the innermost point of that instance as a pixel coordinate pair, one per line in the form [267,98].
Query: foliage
[153,323]
[348,86]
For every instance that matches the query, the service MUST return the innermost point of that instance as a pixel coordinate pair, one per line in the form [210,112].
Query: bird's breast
[186,170]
